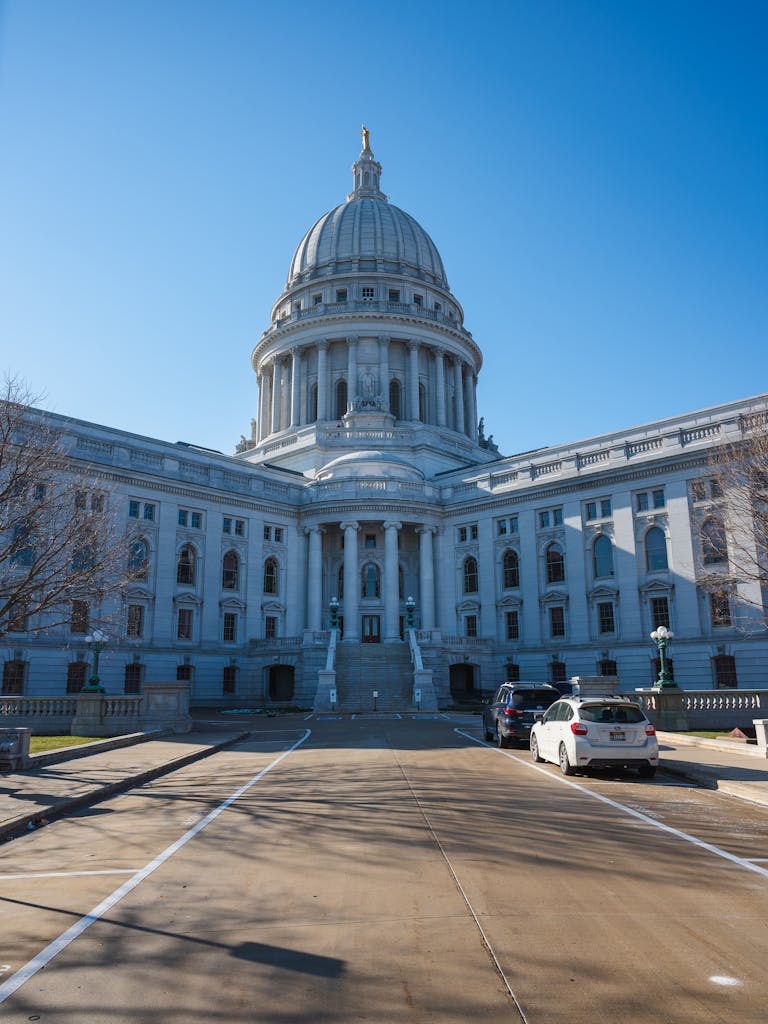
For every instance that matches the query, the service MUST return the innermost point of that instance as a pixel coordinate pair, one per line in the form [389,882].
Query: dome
[357,465]
[367,233]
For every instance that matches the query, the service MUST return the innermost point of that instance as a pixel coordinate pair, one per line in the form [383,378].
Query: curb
[14,827]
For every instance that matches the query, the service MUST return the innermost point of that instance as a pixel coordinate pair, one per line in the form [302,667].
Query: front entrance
[371,629]
[462,678]
[281,683]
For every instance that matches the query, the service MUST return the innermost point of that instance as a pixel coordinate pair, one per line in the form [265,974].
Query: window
[194,520]
[14,674]
[422,404]
[230,627]
[715,489]
[138,560]
[226,525]
[278,535]
[642,502]
[658,498]
[659,612]
[462,534]
[184,673]
[719,610]
[76,672]
[513,672]
[505,526]
[655,550]
[724,666]
[370,540]
[438,307]
[80,500]
[39,492]
[18,615]
[557,671]
[135,625]
[133,677]
[557,517]
[183,517]
[23,551]
[317,299]
[470,625]
[605,619]
[555,562]
[646,500]
[607,667]
[368,294]
[698,490]
[184,624]
[267,532]
[370,581]
[591,510]
[557,621]
[230,572]
[713,542]
[239,527]
[470,575]
[394,294]
[418,300]
[394,399]
[341,398]
[510,570]
[270,627]
[550,517]
[605,508]
[185,567]
[149,512]
[229,679]
[602,557]
[512,625]
[270,576]
[473,531]
[341,294]
[80,616]
[83,559]
[133,509]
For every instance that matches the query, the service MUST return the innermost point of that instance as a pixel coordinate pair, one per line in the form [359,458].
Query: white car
[596,732]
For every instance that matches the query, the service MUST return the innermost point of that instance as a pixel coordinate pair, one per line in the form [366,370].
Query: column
[440,361]
[391,582]
[295,387]
[413,380]
[458,390]
[259,406]
[322,380]
[384,373]
[277,374]
[285,410]
[351,374]
[474,407]
[314,577]
[469,428]
[351,582]
[426,577]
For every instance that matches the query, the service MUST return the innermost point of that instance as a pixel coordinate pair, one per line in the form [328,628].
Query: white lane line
[718,851]
[71,874]
[45,956]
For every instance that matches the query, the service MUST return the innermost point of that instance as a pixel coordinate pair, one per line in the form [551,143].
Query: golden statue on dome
[366,136]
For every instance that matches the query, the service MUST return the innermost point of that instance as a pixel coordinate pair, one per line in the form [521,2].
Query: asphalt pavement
[80,777]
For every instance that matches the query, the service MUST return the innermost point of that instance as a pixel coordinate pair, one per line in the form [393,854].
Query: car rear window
[612,714]
[530,700]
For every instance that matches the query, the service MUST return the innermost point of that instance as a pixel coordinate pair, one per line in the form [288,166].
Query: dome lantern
[366,173]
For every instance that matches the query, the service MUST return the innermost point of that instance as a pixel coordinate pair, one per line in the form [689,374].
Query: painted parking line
[45,956]
[70,874]
[741,862]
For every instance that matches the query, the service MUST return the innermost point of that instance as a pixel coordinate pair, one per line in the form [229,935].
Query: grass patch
[705,735]
[41,744]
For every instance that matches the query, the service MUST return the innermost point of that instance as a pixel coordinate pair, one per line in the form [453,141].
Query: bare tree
[734,535]
[60,550]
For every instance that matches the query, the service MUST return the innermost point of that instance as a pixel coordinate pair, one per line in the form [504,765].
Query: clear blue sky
[594,174]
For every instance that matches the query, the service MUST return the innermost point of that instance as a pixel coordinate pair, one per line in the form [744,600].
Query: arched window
[341,398]
[470,575]
[713,542]
[312,410]
[602,556]
[422,403]
[555,564]
[185,567]
[230,571]
[370,580]
[510,570]
[270,576]
[138,559]
[655,550]
[394,399]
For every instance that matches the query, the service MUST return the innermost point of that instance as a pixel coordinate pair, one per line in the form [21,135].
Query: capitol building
[368,497]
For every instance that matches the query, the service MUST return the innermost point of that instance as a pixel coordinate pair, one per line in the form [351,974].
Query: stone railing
[277,643]
[705,709]
[45,716]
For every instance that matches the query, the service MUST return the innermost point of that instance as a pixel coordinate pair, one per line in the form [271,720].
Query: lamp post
[410,610]
[96,641]
[334,612]
[661,637]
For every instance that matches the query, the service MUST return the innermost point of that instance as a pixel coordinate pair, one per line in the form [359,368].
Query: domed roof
[380,465]
[366,229]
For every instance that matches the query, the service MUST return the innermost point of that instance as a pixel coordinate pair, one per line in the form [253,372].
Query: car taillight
[650,730]
[512,711]
[578,729]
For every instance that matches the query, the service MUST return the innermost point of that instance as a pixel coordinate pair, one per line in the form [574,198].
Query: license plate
[618,737]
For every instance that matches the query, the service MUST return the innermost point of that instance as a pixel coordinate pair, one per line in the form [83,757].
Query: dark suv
[513,711]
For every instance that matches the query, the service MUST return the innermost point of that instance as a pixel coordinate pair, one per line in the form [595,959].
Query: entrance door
[371,629]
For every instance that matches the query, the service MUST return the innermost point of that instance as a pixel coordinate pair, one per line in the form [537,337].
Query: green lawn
[39,744]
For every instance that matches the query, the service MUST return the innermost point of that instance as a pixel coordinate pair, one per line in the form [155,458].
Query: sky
[594,174]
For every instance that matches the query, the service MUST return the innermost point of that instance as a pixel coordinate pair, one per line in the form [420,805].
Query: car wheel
[647,771]
[501,739]
[535,755]
[565,765]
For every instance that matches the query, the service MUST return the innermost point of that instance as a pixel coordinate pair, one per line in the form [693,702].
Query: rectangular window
[543,520]
[149,512]
[470,625]
[184,673]
[659,612]
[557,516]
[230,627]
[278,535]
[239,527]
[370,540]
[513,672]
[462,534]
[725,671]
[642,502]
[512,623]
[316,300]
[39,492]
[715,490]
[417,300]
[79,621]
[557,671]
[658,498]
[720,610]
[473,531]
[14,674]
[133,509]
[438,307]
[133,675]
[227,525]
[501,527]
[183,517]
[196,520]
[184,625]
[591,510]
[17,617]
[698,492]
[267,532]
[97,503]
[270,627]
[76,676]
[367,294]
[605,507]
[556,622]
[80,500]
[135,626]
[605,619]
[394,294]
[341,294]
[229,679]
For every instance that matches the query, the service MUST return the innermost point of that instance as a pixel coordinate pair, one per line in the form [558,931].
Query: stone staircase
[363,668]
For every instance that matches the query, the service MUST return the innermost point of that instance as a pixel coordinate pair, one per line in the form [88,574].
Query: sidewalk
[35,796]
[731,767]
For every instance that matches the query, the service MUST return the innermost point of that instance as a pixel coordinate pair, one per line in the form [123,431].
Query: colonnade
[390,592]
[285,382]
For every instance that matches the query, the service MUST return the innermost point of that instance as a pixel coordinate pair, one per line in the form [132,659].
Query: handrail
[330,661]
[413,643]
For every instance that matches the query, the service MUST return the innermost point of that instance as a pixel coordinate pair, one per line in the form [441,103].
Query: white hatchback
[596,732]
